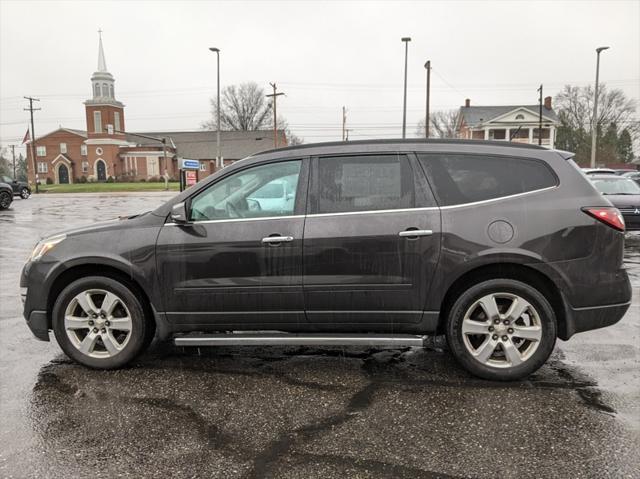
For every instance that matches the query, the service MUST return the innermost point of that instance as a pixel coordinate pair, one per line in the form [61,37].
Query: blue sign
[189,164]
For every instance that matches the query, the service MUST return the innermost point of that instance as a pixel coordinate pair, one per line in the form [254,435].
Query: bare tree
[442,124]
[616,120]
[244,108]
[575,106]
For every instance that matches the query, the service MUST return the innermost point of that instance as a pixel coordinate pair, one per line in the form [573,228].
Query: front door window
[263,191]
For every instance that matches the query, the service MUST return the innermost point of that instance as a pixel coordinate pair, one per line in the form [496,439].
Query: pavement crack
[263,462]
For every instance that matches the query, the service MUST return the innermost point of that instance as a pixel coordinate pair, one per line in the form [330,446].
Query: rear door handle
[415,233]
[277,239]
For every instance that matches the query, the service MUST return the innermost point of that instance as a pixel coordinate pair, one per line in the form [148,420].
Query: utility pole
[219,159]
[13,153]
[594,123]
[346,131]
[31,109]
[540,117]
[406,41]
[426,120]
[275,96]
[344,123]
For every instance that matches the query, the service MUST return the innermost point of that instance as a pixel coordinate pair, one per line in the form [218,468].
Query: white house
[517,123]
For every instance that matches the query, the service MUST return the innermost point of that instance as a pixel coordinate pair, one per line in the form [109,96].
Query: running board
[263,339]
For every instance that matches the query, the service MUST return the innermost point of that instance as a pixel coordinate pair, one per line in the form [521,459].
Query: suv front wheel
[100,323]
[501,329]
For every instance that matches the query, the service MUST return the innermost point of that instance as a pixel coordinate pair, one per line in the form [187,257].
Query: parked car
[624,193]
[501,247]
[634,175]
[623,171]
[599,171]
[20,188]
[6,196]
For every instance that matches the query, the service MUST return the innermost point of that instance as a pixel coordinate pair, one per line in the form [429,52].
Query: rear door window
[364,183]
[459,179]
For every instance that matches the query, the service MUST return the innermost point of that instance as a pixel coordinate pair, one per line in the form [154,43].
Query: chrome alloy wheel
[501,330]
[98,323]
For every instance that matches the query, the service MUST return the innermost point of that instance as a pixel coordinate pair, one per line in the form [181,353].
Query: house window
[203,166]
[116,121]
[42,167]
[97,122]
[497,134]
[41,151]
[520,134]
[85,167]
[545,133]
[519,116]
[63,147]
[83,150]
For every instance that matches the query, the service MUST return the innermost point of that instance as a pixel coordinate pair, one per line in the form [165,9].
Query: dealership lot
[302,412]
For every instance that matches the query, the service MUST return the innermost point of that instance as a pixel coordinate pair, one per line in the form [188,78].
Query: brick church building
[107,151]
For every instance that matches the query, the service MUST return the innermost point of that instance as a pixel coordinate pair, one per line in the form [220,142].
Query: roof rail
[448,141]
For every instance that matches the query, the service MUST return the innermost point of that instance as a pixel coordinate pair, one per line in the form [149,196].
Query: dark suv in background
[501,247]
[20,188]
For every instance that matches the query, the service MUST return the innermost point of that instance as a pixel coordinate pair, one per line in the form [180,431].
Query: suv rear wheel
[501,329]
[100,323]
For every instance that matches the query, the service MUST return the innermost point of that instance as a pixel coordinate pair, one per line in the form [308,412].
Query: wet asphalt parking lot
[303,412]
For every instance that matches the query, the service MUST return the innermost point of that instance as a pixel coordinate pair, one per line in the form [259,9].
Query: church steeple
[102,63]
[105,114]
[102,82]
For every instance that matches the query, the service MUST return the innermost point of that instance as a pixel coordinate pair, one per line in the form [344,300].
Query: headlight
[44,246]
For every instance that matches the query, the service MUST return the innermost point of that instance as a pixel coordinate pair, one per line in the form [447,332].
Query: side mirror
[179,213]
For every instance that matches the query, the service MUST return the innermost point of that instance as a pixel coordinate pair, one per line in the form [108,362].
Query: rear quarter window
[458,179]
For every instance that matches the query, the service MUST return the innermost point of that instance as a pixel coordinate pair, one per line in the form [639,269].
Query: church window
[97,122]
[105,89]
[111,91]
[116,121]
[83,150]
[96,89]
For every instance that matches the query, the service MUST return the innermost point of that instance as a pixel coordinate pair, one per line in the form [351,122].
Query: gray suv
[501,247]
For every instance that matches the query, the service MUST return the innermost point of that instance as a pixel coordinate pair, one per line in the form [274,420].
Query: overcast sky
[323,55]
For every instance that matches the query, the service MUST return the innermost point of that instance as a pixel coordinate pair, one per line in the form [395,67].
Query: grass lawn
[106,187]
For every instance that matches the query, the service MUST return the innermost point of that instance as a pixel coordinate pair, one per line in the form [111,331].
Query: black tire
[465,357]
[5,200]
[139,333]
[25,193]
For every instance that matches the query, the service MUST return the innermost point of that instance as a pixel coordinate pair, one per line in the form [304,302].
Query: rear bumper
[578,320]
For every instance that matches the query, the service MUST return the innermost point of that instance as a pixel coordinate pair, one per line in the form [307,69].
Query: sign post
[188,172]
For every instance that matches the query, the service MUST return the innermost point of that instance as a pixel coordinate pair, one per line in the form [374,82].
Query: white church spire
[102,63]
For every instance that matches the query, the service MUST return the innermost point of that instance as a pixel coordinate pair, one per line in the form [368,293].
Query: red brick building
[105,150]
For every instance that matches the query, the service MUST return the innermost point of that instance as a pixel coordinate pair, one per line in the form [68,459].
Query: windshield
[616,186]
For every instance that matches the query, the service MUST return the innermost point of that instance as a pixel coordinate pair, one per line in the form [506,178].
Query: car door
[237,263]
[371,241]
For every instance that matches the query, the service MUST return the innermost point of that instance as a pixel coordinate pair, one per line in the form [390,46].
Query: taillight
[609,216]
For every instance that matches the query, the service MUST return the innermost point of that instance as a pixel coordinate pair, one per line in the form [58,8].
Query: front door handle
[277,239]
[415,233]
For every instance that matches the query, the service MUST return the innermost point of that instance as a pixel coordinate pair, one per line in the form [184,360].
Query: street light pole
[406,41]
[218,155]
[426,118]
[594,122]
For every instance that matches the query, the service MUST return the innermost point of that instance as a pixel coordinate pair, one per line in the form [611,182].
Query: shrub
[111,179]
[143,180]
[49,181]
[82,179]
